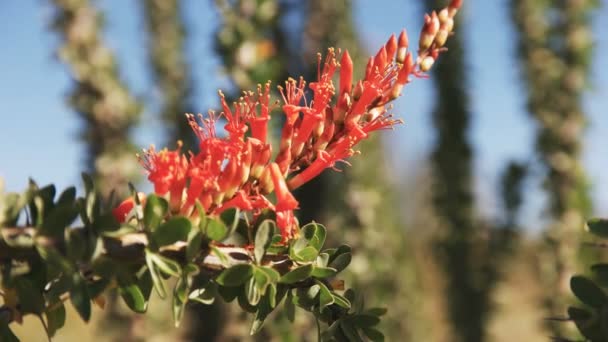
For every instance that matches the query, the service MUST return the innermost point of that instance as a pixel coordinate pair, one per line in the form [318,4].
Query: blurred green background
[465,222]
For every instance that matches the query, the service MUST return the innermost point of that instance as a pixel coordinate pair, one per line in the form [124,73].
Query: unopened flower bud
[369,68]
[441,37]
[381,59]
[427,63]
[429,30]
[443,15]
[391,47]
[402,47]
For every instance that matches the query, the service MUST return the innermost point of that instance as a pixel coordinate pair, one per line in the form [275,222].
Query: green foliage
[591,320]
[69,248]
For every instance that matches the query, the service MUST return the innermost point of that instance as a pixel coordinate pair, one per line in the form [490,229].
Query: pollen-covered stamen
[382,120]
[235,125]
[259,124]
[206,129]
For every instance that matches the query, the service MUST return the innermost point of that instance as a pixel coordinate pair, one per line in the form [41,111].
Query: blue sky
[38,131]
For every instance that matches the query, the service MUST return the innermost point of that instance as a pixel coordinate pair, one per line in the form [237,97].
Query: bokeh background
[466,221]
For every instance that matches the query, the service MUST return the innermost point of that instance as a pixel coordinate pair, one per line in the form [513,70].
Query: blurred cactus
[251,42]
[554,46]
[469,251]
[99,96]
[166,45]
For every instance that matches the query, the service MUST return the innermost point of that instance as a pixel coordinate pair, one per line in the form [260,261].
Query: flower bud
[391,47]
[427,63]
[402,47]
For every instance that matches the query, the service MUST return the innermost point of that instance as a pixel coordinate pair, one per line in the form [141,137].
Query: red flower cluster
[237,171]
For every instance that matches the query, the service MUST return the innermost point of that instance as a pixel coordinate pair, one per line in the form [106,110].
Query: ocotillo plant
[166,46]
[99,96]
[250,41]
[555,50]
[469,251]
[453,194]
[226,210]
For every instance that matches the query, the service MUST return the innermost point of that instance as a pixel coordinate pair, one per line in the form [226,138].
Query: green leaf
[155,210]
[55,318]
[235,275]
[252,291]
[87,180]
[296,274]
[341,262]
[195,241]
[263,238]
[157,281]
[229,293]
[175,229]
[272,295]
[373,334]
[601,273]
[315,233]
[271,273]
[261,279]
[30,297]
[216,230]
[180,298]
[231,219]
[588,292]
[588,324]
[290,308]
[145,284]
[322,259]
[323,272]
[307,254]
[598,226]
[166,265]
[341,301]
[325,296]
[260,315]
[79,296]
[204,295]
[578,314]
[68,196]
[6,335]
[133,297]
[364,320]
[349,331]
[58,219]
[376,311]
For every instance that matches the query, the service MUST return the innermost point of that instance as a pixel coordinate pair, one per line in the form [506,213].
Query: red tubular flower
[285,200]
[259,124]
[167,170]
[121,211]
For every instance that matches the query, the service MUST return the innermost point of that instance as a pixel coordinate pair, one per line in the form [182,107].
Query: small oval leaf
[235,275]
